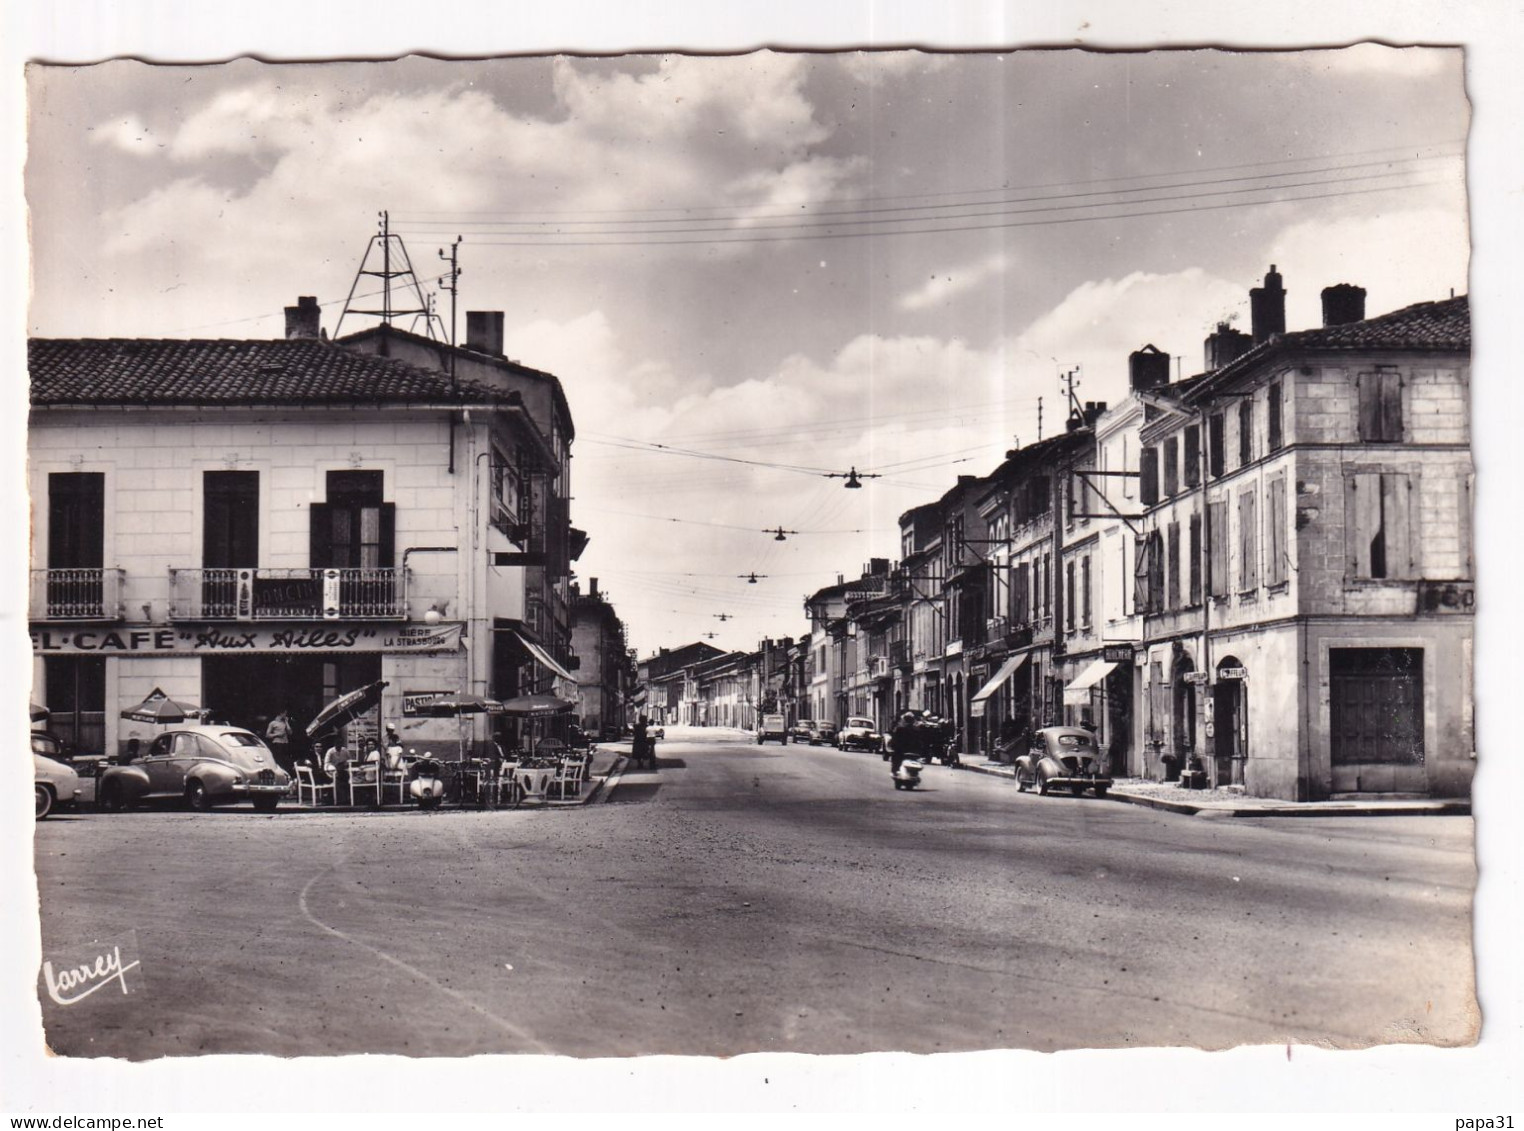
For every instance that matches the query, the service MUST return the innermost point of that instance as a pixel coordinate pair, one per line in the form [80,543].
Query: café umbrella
[160,708]
[458,705]
[346,709]
[39,712]
[533,706]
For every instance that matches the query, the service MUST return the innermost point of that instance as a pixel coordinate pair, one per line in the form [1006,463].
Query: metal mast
[402,277]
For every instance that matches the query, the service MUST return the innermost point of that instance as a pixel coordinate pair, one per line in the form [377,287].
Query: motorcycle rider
[904,742]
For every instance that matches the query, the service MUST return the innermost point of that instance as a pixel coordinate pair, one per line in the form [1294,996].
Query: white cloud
[128,134]
[872,67]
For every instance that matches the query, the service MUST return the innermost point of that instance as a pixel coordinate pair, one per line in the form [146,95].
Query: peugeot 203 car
[56,784]
[1063,758]
[860,734]
[203,765]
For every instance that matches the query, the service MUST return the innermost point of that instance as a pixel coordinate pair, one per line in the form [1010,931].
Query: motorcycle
[908,776]
[427,787]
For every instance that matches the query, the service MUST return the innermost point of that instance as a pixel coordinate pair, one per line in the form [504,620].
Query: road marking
[507,1026]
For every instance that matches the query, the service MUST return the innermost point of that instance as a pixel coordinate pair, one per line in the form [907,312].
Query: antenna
[450,281]
[1039,420]
[383,242]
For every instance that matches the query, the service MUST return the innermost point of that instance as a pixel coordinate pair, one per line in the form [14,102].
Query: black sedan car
[1063,758]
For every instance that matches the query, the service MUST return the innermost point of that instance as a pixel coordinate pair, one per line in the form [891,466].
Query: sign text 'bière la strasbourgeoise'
[239,639]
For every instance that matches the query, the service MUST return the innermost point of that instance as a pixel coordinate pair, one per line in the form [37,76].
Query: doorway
[1230,722]
[249,691]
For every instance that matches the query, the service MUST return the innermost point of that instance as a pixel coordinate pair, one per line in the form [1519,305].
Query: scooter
[908,776]
[427,787]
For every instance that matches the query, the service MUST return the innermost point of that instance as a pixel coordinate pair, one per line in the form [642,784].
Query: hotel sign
[240,639]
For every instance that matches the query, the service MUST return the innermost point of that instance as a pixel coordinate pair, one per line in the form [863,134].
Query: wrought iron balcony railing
[287,594]
[76,595]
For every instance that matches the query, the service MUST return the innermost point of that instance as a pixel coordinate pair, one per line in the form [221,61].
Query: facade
[257,526]
[602,662]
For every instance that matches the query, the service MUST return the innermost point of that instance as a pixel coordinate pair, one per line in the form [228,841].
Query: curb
[1440,808]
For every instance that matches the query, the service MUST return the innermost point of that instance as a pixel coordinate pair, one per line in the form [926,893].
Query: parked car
[801,730]
[1063,757]
[204,765]
[772,727]
[656,731]
[822,734]
[860,734]
[57,786]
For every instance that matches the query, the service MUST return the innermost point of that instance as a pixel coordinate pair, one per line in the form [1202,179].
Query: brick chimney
[1267,305]
[1225,344]
[1343,303]
[1148,368]
[304,320]
[592,587]
[484,331]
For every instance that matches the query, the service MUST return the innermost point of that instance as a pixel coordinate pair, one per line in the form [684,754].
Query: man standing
[904,742]
[278,735]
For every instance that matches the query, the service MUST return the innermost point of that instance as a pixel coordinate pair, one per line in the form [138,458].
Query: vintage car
[860,734]
[204,765]
[773,728]
[657,731]
[1063,758]
[56,784]
[801,730]
[822,734]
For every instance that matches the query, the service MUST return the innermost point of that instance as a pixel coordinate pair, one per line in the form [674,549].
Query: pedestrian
[278,735]
[904,741]
[642,750]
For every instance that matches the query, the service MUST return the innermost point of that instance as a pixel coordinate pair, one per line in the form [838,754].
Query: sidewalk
[1231,803]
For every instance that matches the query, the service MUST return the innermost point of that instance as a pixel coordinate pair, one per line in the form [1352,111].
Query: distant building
[603,667]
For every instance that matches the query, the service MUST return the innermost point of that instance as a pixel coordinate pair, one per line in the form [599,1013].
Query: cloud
[943,287]
[127,134]
[874,67]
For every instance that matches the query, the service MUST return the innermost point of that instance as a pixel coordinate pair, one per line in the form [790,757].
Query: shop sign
[1232,673]
[1195,677]
[1117,653]
[414,702]
[242,640]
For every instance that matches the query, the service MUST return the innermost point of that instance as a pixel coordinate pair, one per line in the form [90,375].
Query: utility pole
[1039,420]
[1071,381]
[450,281]
[386,274]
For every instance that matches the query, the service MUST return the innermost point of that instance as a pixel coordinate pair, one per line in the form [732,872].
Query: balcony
[76,595]
[878,667]
[286,594]
[899,655]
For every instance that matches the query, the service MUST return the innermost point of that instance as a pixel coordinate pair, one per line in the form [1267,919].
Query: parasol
[39,712]
[346,708]
[449,706]
[159,708]
[532,706]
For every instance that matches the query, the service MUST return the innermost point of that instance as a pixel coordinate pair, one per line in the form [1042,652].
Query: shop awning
[976,704]
[1077,694]
[543,658]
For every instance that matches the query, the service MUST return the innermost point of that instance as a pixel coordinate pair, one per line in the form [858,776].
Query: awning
[976,704]
[1077,694]
[543,658]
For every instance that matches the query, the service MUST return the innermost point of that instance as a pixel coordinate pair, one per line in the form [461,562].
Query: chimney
[484,331]
[592,587]
[304,320]
[878,567]
[1148,368]
[1267,306]
[1343,303]
[1224,345]
[1093,411]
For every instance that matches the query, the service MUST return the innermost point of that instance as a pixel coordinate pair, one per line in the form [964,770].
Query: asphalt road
[749,898]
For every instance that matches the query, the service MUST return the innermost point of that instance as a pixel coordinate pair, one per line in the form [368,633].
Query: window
[1245,432]
[1172,549]
[1020,594]
[1215,434]
[1378,524]
[1047,586]
[76,520]
[1276,563]
[1172,466]
[1277,439]
[1191,471]
[1380,407]
[1155,572]
[230,519]
[1148,476]
[1085,590]
[1193,548]
[1217,548]
[354,529]
[1248,543]
[1069,595]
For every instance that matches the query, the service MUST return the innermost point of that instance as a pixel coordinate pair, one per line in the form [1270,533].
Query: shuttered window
[1215,434]
[1193,549]
[1277,566]
[1172,549]
[1148,476]
[1245,432]
[1377,515]
[1273,421]
[1217,556]
[1171,467]
[1248,543]
[1190,470]
[1380,395]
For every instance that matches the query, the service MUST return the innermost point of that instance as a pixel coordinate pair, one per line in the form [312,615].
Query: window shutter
[1217,564]
[1191,471]
[388,540]
[320,535]
[1215,438]
[1172,594]
[1193,547]
[1148,476]
[1274,423]
[1275,534]
[1362,516]
[1397,523]
[1248,544]
[1390,408]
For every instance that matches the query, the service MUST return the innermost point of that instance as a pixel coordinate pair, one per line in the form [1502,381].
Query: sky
[755,272]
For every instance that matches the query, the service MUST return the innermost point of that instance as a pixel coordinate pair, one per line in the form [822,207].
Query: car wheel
[1077,790]
[1022,781]
[44,800]
[199,799]
[1100,790]
[1042,782]
[265,804]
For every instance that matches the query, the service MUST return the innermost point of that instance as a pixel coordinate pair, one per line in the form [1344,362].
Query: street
[762,898]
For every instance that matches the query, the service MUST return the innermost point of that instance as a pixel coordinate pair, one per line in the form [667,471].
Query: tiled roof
[1435,327]
[169,371]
